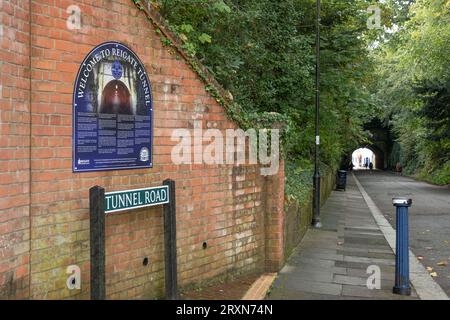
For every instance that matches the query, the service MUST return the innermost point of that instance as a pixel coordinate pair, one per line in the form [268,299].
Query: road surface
[429,216]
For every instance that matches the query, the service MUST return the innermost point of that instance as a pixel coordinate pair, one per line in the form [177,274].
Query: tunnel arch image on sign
[112,111]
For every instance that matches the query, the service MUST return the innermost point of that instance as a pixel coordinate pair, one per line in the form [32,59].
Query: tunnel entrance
[363,156]
[379,142]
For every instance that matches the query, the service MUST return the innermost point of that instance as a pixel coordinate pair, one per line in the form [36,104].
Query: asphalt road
[429,216]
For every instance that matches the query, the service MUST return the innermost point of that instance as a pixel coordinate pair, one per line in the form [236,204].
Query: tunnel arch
[380,141]
[362,157]
[380,159]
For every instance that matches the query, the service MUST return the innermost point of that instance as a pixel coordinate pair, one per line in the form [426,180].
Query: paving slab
[388,276]
[332,262]
[365,254]
[302,295]
[363,265]
[328,288]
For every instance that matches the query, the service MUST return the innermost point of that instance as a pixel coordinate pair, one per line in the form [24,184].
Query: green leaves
[221,7]
[204,38]
[262,51]
[413,86]
[186,28]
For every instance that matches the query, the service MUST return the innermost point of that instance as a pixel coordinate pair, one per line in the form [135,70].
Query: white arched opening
[362,157]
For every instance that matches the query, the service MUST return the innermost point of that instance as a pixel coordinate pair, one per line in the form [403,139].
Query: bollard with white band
[402,285]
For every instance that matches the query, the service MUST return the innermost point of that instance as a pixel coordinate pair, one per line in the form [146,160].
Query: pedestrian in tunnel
[371,166]
[398,168]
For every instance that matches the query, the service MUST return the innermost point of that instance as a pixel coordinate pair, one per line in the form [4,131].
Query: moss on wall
[299,215]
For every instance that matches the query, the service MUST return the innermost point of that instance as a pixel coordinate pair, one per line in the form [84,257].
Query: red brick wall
[274,221]
[14,149]
[222,205]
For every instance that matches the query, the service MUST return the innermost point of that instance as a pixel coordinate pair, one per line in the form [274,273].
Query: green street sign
[137,198]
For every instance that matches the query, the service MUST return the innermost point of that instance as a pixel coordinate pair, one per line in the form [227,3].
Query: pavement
[336,261]
[429,217]
[358,237]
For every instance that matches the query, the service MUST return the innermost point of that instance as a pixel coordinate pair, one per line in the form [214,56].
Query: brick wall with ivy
[44,217]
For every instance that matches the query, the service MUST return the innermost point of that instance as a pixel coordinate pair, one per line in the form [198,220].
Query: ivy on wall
[233,109]
[257,59]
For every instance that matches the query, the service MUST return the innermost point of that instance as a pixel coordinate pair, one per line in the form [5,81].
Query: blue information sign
[112,111]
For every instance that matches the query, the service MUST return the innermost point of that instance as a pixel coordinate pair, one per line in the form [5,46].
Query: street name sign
[137,198]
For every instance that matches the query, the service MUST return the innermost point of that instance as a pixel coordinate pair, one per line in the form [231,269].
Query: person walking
[398,168]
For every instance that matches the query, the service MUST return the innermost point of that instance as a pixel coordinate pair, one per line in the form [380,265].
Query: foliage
[298,182]
[263,52]
[413,87]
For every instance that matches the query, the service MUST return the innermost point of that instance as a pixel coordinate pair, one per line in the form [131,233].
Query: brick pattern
[221,205]
[14,149]
[275,221]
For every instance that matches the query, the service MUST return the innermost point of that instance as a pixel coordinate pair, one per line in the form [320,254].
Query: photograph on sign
[112,111]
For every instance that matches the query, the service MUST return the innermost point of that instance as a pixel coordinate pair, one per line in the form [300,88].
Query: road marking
[424,284]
